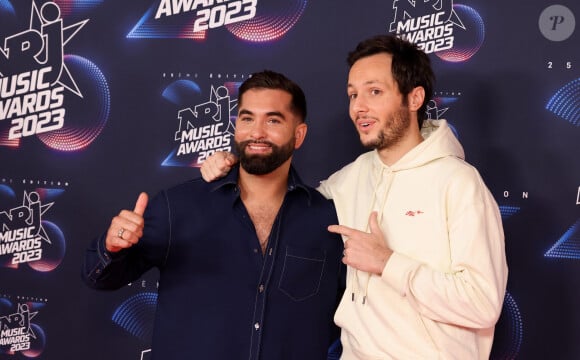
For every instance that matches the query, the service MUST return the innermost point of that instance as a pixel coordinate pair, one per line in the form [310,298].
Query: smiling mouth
[258,147]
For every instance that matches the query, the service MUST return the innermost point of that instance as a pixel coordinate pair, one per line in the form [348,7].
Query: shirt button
[261,288]
[257,326]
[255,250]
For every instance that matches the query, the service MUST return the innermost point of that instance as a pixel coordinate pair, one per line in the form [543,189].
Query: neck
[267,187]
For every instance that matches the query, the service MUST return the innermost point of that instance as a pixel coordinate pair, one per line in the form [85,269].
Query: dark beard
[264,164]
[396,129]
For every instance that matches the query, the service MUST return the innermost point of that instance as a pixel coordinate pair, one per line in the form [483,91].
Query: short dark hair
[411,67]
[269,79]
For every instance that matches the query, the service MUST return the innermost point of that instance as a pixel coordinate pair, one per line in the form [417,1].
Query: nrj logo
[204,128]
[441,102]
[439,105]
[16,332]
[24,236]
[36,77]
[436,27]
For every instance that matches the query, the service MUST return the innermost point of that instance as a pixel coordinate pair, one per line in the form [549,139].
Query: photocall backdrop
[100,100]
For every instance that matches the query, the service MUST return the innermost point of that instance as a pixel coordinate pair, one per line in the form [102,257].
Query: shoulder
[193,190]
[189,186]
[347,176]
[317,198]
[464,180]
[364,161]
[312,203]
[461,170]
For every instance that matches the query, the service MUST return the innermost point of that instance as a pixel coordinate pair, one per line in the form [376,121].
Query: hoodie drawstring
[355,287]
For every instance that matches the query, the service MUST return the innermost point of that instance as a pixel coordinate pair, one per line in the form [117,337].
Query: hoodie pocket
[302,272]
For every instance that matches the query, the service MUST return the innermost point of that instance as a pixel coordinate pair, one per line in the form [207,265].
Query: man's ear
[416,98]
[300,134]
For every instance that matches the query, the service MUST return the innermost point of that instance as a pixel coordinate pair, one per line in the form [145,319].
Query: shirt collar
[295,183]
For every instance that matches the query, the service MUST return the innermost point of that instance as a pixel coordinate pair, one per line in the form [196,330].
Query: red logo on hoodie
[413,213]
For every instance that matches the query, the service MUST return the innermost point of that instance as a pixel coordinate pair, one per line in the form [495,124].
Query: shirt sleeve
[471,293]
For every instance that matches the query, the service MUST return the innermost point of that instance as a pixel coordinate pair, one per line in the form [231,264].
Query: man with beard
[423,236]
[247,268]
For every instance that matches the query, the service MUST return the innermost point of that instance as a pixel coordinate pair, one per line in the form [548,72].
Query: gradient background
[511,94]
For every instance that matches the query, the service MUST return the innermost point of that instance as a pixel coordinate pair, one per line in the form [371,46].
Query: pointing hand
[364,251]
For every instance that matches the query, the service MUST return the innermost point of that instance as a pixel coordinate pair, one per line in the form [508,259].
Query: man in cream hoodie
[423,236]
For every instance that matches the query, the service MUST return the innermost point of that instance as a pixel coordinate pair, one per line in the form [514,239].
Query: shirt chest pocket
[302,272]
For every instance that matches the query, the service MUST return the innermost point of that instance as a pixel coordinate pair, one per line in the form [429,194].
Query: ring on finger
[120,233]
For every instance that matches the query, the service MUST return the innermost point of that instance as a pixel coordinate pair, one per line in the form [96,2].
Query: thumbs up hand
[127,228]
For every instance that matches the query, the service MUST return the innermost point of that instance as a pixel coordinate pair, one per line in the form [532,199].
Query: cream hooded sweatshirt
[442,290]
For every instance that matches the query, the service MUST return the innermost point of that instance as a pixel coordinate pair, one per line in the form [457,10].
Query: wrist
[383,259]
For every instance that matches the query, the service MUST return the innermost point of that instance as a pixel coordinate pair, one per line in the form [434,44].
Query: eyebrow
[370,82]
[269,113]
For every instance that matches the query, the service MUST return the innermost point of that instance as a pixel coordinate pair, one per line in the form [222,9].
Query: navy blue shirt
[219,296]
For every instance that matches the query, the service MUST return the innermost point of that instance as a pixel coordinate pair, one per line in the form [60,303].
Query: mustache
[364,117]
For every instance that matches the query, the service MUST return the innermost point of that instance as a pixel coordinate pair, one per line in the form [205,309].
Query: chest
[263,216]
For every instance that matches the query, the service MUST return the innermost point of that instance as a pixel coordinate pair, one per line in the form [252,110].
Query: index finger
[341,229]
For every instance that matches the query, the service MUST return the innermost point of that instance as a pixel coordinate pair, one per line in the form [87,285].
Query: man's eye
[352,96]
[376,92]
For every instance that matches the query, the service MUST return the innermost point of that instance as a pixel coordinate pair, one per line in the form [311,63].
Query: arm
[217,165]
[471,291]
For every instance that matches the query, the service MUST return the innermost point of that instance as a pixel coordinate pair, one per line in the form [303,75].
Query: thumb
[141,204]
[374,224]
